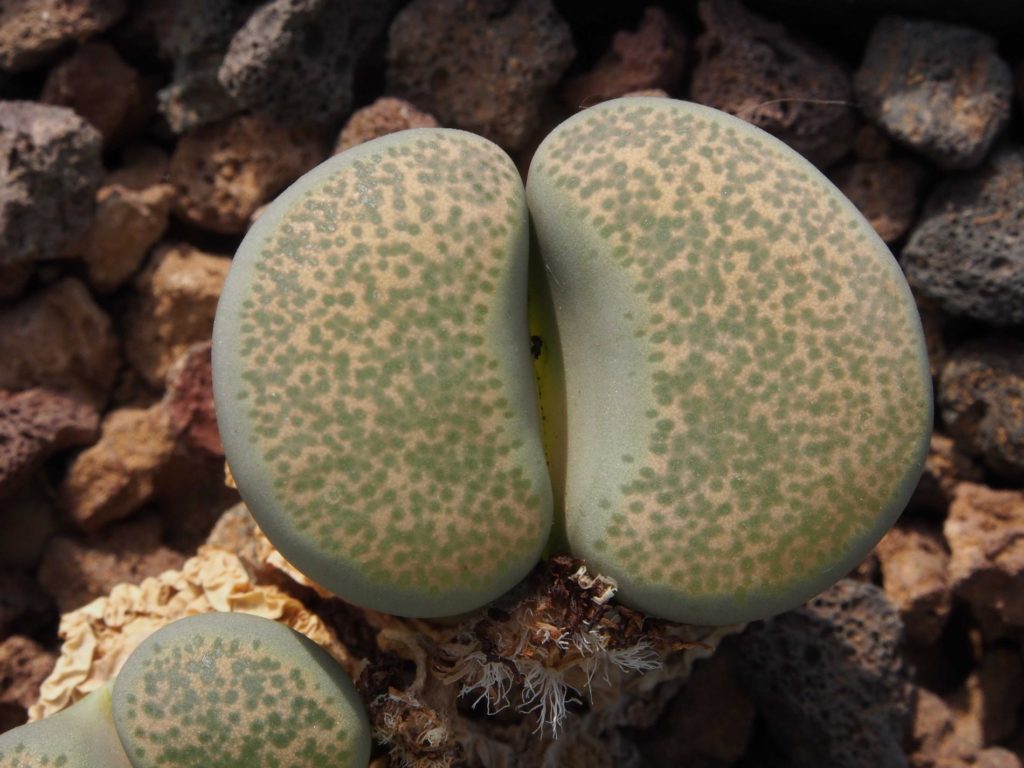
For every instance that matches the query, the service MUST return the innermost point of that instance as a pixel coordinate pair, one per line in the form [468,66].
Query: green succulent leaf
[228,690]
[748,400]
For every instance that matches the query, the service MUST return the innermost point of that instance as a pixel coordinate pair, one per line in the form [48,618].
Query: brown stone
[386,115]
[914,563]
[78,570]
[175,302]
[884,191]
[758,71]
[934,741]
[24,664]
[985,707]
[34,425]
[984,534]
[118,474]
[482,65]
[97,83]
[13,280]
[224,171]
[60,339]
[30,30]
[189,401]
[652,57]
[945,467]
[143,166]
[128,223]
[997,757]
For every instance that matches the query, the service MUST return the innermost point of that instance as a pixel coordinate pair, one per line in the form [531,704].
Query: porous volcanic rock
[34,425]
[118,474]
[386,115]
[985,707]
[945,467]
[481,65]
[987,564]
[224,171]
[98,85]
[885,191]
[189,401]
[939,88]
[828,678]
[30,30]
[60,339]
[173,308]
[76,571]
[914,561]
[50,168]
[758,71]
[981,398]
[652,57]
[967,250]
[299,57]
[24,664]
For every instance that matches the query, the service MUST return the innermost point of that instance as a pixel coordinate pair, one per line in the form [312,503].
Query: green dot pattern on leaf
[757,413]
[373,377]
[237,691]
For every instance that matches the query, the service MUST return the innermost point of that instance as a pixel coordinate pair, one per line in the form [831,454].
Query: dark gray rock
[981,397]
[50,168]
[939,88]
[31,30]
[967,251]
[758,71]
[829,680]
[299,57]
[481,65]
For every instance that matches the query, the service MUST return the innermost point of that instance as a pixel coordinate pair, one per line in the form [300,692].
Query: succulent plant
[733,381]
[81,736]
[748,394]
[218,690]
[373,379]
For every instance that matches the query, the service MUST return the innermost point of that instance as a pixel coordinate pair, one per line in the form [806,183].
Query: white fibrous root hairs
[551,649]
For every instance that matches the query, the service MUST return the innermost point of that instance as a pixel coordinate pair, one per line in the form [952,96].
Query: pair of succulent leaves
[730,406]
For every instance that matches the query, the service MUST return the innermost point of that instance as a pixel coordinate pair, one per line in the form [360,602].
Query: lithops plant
[747,388]
[81,736]
[229,689]
[734,383]
[373,380]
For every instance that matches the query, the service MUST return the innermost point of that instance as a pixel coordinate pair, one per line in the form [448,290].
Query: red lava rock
[914,562]
[829,680]
[78,570]
[985,708]
[756,70]
[481,65]
[24,664]
[299,57]
[981,397]
[119,473]
[938,88]
[127,224]
[50,168]
[223,172]
[34,425]
[934,743]
[709,722]
[30,30]
[987,564]
[884,191]
[967,251]
[97,83]
[175,302]
[386,115]
[945,467]
[24,606]
[652,57]
[189,401]
[58,338]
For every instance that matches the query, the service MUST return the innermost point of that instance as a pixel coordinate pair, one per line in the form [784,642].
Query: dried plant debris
[549,670]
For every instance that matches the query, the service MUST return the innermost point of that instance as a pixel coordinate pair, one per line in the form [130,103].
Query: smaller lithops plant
[81,736]
[229,689]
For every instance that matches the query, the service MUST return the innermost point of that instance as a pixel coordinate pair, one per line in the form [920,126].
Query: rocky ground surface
[139,140]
